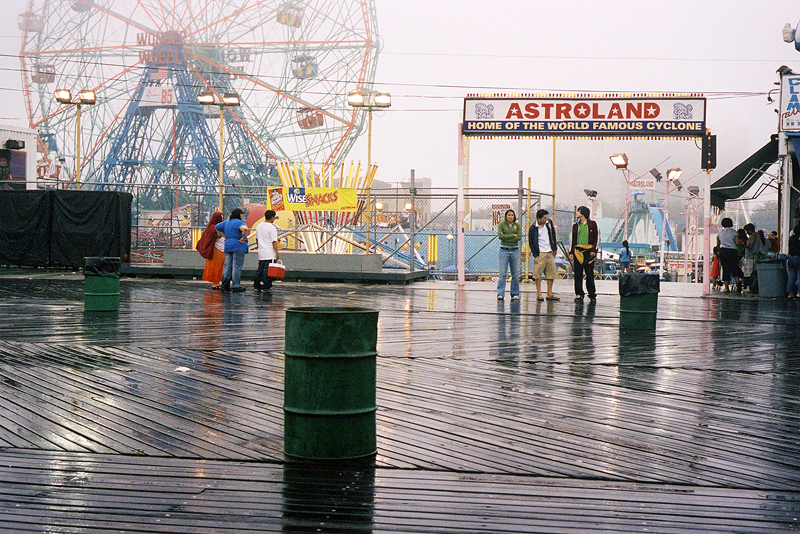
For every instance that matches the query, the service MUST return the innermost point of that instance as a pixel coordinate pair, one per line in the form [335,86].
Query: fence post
[412,215]
[524,229]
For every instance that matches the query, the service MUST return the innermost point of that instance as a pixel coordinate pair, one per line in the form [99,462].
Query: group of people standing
[736,253]
[542,246]
[224,244]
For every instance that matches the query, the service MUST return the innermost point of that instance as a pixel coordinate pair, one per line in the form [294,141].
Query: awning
[742,177]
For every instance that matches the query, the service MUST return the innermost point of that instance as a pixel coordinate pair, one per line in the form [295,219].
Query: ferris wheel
[291,64]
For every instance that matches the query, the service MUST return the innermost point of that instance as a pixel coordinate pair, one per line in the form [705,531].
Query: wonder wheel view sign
[671,115]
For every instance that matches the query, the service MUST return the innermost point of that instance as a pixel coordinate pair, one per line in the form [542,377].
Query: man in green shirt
[582,253]
[510,234]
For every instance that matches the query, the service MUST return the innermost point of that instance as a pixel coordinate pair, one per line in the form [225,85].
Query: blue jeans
[793,267]
[508,258]
[232,270]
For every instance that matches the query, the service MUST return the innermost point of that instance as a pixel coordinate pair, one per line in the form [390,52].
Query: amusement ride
[274,77]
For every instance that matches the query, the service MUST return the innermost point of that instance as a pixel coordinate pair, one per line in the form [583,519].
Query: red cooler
[276,270]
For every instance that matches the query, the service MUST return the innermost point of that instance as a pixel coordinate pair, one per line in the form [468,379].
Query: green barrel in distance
[638,311]
[101,284]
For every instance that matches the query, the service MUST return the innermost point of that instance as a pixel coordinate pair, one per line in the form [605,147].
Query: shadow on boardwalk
[166,416]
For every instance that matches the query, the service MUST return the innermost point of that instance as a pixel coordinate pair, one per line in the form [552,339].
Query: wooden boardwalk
[493,417]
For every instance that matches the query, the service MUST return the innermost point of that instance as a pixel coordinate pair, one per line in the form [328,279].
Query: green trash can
[329,382]
[772,277]
[101,284]
[638,300]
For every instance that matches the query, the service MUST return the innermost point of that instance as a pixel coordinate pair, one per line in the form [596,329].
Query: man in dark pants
[267,238]
[582,253]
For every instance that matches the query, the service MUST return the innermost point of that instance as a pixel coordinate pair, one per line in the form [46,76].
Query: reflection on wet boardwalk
[493,417]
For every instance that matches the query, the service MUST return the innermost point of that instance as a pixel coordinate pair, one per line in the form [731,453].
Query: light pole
[693,197]
[378,205]
[672,179]
[88,97]
[207,98]
[366,98]
[450,248]
[620,161]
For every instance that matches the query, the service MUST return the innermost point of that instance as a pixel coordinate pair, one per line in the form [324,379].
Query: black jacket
[533,237]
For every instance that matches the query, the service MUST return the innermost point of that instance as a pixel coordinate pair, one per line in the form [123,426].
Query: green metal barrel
[329,382]
[638,311]
[101,284]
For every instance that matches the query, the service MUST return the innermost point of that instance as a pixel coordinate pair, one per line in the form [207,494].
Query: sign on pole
[790,104]
[674,115]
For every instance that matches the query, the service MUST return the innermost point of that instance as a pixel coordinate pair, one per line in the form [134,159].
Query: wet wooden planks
[472,394]
[68,492]
[474,414]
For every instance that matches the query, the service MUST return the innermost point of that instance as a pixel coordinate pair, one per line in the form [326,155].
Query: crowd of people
[542,245]
[224,244]
[734,260]
[733,265]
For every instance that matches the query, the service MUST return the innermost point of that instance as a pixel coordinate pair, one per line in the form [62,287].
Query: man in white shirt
[267,238]
[542,244]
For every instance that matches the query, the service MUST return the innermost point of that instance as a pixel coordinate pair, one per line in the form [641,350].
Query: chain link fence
[411,228]
[429,217]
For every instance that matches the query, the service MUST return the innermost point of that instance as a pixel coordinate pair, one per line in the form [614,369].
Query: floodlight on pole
[230,99]
[657,175]
[672,179]
[85,97]
[63,96]
[620,161]
[673,174]
[367,98]
[206,98]
[209,98]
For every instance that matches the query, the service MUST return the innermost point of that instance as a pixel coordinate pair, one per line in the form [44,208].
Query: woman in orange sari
[211,247]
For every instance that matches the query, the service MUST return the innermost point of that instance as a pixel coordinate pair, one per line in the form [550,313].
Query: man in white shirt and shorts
[267,238]
[542,244]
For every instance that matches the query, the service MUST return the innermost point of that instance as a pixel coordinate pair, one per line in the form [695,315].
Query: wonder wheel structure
[290,62]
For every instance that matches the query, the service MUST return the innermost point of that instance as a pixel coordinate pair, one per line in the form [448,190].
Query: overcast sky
[435,52]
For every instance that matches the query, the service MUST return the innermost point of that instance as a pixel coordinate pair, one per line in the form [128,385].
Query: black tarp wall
[61,228]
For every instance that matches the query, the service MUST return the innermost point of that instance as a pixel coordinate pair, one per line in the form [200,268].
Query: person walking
[625,258]
[235,232]
[510,234]
[542,244]
[583,252]
[727,238]
[267,239]
[212,248]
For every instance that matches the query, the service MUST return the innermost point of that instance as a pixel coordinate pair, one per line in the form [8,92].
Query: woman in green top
[510,233]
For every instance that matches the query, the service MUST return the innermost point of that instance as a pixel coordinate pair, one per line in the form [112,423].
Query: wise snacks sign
[312,199]
[666,116]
